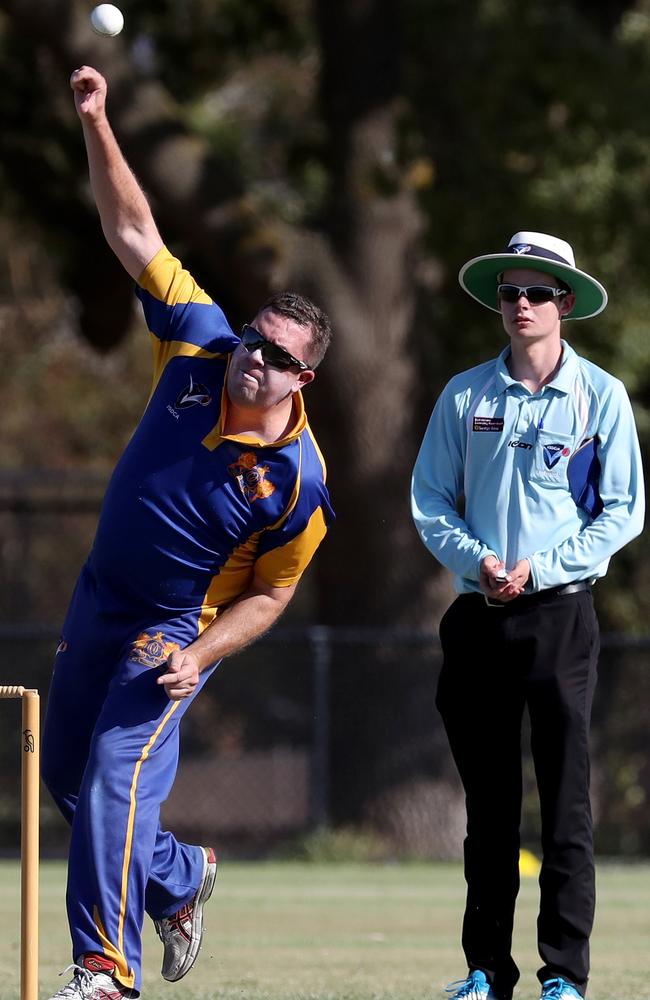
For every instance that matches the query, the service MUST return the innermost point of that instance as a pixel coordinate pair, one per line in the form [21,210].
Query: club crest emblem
[251,477]
[152,650]
[192,395]
[553,453]
[520,248]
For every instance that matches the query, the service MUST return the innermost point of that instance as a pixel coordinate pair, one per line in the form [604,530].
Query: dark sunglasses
[534,293]
[273,355]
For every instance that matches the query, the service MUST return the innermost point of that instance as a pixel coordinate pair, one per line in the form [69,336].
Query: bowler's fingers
[177,694]
[180,677]
[177,686]
[89,88]
[80,78]
[174,675]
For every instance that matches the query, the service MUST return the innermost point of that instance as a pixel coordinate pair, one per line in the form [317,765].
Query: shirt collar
[564,378]
[298,426]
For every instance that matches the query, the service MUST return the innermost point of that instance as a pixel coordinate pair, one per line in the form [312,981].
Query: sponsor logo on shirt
[520,444]
[553,453]
[488,424]
[152,650]
[251,477]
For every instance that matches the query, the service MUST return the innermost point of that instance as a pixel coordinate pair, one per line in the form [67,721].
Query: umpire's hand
[499,589]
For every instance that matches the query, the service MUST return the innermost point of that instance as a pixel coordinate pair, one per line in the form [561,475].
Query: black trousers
[541,652]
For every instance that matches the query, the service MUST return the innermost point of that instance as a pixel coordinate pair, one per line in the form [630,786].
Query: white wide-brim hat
[539,252]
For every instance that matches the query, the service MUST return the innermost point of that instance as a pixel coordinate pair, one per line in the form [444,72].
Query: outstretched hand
[89,88]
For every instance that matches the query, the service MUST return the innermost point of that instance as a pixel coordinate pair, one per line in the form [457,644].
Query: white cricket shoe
[182,933]
[92,981]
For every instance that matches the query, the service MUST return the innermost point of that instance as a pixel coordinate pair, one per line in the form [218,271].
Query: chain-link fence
[309,728]
[274,748]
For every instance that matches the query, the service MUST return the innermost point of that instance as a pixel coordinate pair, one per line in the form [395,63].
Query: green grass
[288,931]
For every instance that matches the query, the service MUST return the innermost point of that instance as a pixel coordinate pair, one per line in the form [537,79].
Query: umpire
[538,448]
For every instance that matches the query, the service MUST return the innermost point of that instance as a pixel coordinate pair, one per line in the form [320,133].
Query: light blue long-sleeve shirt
[506,451]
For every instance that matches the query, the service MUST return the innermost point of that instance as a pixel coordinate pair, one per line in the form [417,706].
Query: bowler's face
[252,382]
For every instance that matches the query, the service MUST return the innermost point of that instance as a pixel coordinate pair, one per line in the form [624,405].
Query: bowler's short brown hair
[305,313]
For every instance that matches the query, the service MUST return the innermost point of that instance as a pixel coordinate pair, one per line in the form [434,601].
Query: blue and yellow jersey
[190,513]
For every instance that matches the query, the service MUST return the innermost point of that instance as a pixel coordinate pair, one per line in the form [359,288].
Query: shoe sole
[196,936]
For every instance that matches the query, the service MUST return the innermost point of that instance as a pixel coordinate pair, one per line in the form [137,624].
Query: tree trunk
[372,569]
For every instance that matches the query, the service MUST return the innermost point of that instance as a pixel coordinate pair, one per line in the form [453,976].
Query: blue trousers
[110,753]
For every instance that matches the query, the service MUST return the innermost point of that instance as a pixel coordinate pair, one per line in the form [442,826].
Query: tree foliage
[361,151]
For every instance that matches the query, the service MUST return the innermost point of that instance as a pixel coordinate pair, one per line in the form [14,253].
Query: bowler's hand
[181,676]
[89,88]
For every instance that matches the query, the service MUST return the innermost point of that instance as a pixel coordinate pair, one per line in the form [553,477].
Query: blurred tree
[359,150]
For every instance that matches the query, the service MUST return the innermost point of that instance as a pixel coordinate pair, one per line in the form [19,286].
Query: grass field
[343,932]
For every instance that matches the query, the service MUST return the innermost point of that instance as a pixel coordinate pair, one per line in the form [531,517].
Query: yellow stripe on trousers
[131,823]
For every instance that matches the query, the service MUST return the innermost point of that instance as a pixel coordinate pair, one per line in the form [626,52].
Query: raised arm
[126,218]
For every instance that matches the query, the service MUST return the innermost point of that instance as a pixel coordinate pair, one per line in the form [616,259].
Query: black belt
[539,596]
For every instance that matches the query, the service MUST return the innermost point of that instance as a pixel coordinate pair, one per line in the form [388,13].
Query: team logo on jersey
[152,650]
[251,477]
[194,394]
[553,453]
[520,248]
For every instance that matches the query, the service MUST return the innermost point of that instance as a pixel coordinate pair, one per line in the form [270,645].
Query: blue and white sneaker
[559,989]
[475,987]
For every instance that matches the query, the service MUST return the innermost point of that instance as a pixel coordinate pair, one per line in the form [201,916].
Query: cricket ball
[107,19]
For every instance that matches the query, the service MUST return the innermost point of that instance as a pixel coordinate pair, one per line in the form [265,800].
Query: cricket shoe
[559,989]
[182,933]
[92,980]
[475,987]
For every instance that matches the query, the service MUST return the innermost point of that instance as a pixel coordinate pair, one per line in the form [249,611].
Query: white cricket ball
[107,19]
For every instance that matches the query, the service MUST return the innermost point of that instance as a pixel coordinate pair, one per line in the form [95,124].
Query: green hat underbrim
[479,278]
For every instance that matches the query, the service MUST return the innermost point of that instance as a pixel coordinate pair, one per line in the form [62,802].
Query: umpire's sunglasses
[534,293]
[273,355]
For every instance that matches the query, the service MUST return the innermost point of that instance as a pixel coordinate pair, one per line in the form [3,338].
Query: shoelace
[73,988]
[464,989]
[175,922]
[554,988]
